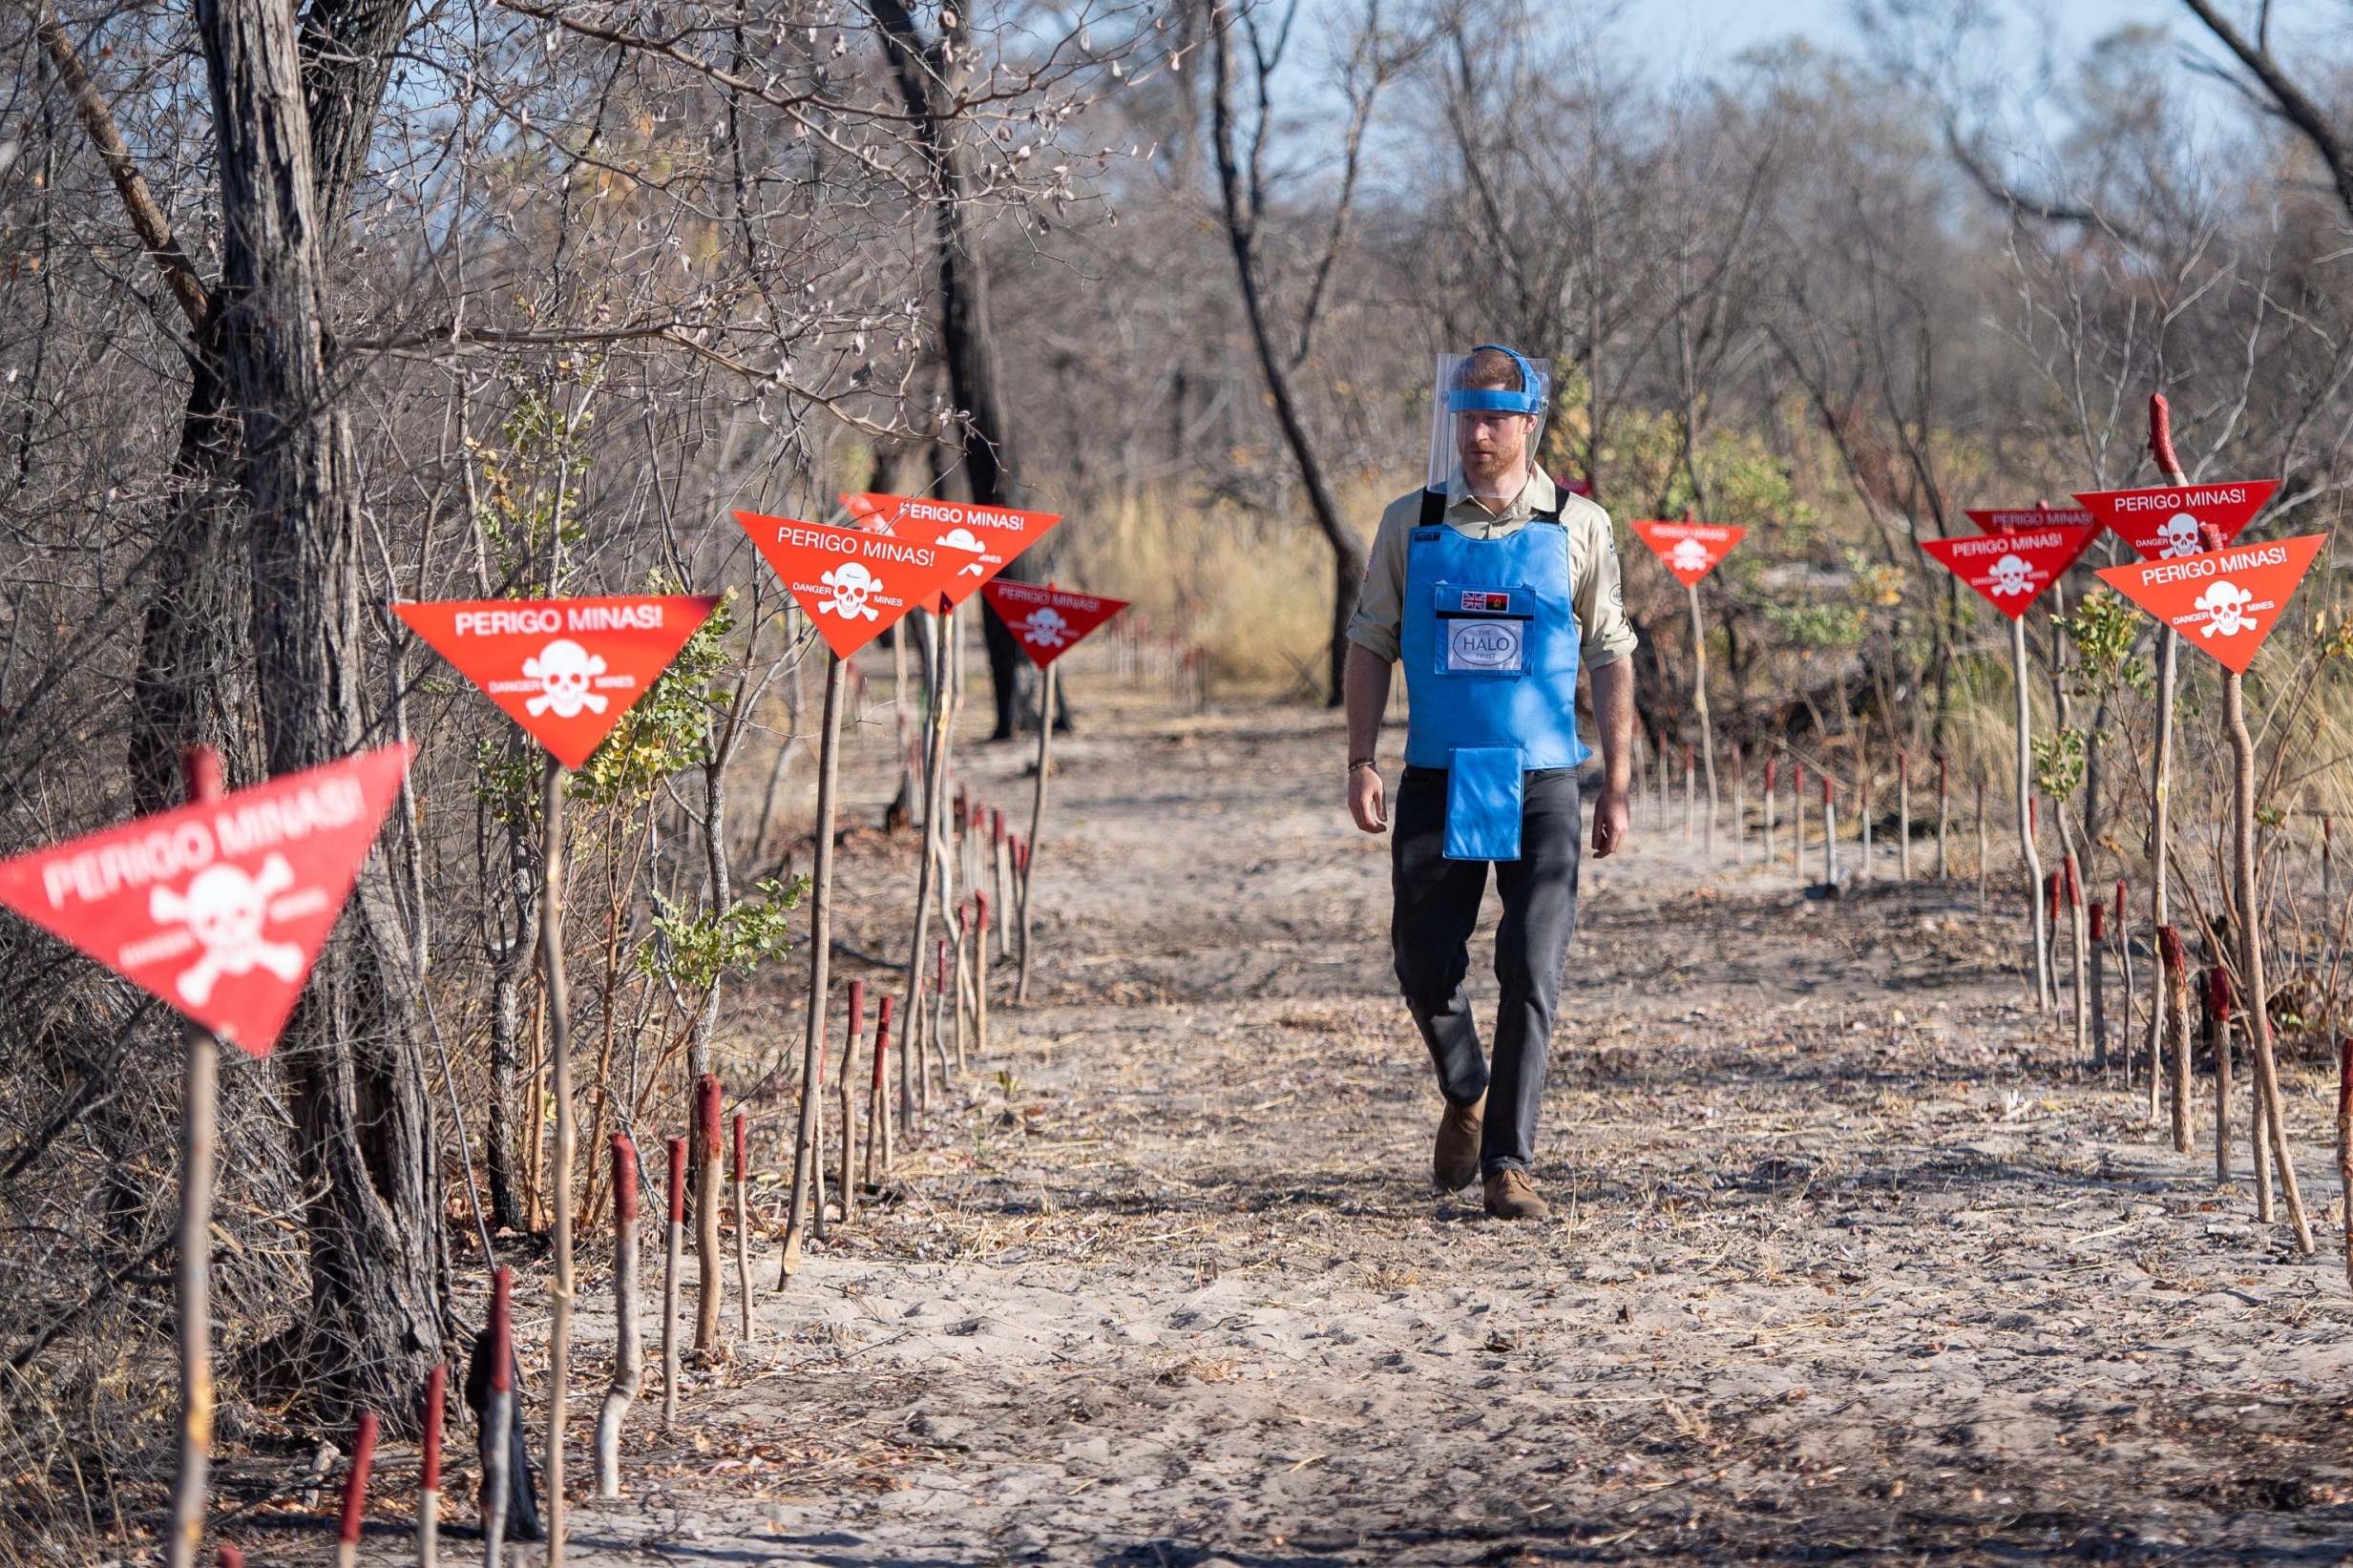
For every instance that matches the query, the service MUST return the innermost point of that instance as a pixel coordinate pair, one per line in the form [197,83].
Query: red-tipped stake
[743,1221]
[429,1491]
[1001,870]
[1773,767]
[2175,995]
[355,1492]
[200,1113]
[710,1124]
[964,1006]
[229,1556]
[674,1244]
[845,1179]
[496,1437]
[629,1347]
[943,999]
[1740,804]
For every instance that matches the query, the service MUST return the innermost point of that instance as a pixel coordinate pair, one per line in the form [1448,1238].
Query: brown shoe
[1455,1163]
[1512,1196]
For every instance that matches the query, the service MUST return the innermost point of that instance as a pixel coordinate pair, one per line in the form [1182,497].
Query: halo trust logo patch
[1483,645]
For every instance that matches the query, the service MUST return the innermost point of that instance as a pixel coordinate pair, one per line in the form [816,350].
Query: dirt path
[1846,1258]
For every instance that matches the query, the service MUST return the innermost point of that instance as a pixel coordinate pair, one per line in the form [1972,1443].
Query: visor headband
[1527,399]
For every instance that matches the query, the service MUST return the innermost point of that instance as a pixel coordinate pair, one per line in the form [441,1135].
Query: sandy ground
[1848,1256]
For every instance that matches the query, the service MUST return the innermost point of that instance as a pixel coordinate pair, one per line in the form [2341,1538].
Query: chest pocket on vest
[1482,632]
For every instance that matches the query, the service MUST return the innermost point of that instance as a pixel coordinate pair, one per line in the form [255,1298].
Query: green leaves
[696,950]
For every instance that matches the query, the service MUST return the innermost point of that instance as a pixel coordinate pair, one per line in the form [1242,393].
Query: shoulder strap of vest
[1433,509]
[1559,504]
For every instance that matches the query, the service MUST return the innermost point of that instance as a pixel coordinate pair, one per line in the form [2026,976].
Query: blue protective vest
[1489,638]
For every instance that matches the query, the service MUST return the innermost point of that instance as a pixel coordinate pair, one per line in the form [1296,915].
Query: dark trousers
[1430,932]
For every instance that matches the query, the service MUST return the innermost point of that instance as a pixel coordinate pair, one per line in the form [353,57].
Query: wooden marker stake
[846,1183]
[2072,893]
[498,1420]
[673,1248]
[1036,820]
[2176,996]
[1772,802]
[1943,815]
[628,1341]
[1904,815]
[806,1177]
[2345,1149]
[743,1222]
[1797,820]
[1830,836]
[981,980]
[710,1285]
[878,1105]
[2098,913]
[198,1133]
[428,1488]
[355,1492]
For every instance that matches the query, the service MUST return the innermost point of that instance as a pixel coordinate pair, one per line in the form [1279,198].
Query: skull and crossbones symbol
[2178,534]
[2225,604]
[224,909]
[1689,556]
[2010,575]
[1045,627]
[563,670]
[851,584]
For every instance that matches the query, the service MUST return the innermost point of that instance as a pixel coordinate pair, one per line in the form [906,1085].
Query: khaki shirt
[1604,634]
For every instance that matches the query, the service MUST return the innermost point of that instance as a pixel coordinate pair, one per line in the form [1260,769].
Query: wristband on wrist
[1364,761]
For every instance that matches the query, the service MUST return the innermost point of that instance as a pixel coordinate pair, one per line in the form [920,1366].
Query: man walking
[1493,586]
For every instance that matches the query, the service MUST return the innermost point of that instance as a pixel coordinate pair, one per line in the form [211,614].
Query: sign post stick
[672,1247]
[1699,703]
[2161,758]
[2249,927]
[1036,822]
[2031,856]
[628,1343]
[939,845]
[559,1059]
[1943,815]
[709,1288]
[355,1492]
[200,1098]
[820,962]
[1772,801]
[1797,820]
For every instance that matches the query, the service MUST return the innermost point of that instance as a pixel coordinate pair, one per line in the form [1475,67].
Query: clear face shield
[1488,411]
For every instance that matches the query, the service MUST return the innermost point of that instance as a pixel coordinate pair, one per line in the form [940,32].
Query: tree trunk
[364,1132]
[927,73]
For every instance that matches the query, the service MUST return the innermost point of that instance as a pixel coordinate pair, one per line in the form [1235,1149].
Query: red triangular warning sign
[2012,569]
[855,582]
[1689,550]
[566,670]
[1048,621]
[2163,523]
[2225,601]
[218,907]
[985,539]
